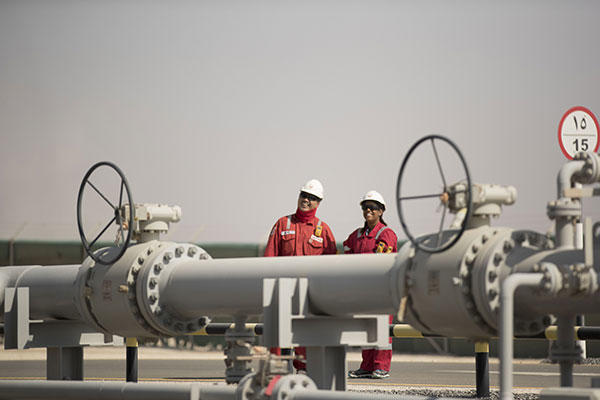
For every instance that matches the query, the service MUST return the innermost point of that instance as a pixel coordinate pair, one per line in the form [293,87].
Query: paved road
[423,371]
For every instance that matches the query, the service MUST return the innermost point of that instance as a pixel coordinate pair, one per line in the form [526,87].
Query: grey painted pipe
[30,390]
[51,289]
[338,284]
[333,395]
[565,176]
[507,292]
[566,340]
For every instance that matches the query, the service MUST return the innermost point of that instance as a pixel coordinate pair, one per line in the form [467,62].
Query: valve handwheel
[439,243]
[118,217]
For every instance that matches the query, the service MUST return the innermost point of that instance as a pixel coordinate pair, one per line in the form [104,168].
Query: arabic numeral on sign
[580,144]
[582,125]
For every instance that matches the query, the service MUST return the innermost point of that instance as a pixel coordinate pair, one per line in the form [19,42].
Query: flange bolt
[152,283]
[497,259]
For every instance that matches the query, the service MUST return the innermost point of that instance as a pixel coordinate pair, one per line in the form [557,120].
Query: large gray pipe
[338,284]
[165,288]
[52,289]
[55,390]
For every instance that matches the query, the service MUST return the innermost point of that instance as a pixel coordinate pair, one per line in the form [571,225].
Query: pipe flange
[154,276]
[579,279]
[552,282]
[563,207]
[468,272]
[84,283]
[590,172]
[247,388]
[496,264]
[139,264]
[288,384]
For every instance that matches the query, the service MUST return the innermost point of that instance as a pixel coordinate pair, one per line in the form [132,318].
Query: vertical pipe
[565,343]
[131,372]
[507,292]
[579,244]
[580,321]
[482,368]
[565,232]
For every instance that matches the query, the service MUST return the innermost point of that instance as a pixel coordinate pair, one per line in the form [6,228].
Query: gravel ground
[586,361]
[454,393]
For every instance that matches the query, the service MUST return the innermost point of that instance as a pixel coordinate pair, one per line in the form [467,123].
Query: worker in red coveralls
[301,234]
[373,237]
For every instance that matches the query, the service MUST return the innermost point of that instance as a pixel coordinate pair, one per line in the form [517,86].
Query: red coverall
[291,237]
[379,240]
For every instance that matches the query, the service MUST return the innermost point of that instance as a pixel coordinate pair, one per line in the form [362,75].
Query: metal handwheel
[445,195]
[118,216]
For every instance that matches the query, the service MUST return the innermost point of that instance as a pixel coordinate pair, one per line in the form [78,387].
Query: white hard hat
[313,187]
[373,196]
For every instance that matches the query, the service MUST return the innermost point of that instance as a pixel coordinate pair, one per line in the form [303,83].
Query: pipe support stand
[238,351]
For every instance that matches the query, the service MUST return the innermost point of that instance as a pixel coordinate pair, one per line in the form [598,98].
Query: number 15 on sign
[578,131]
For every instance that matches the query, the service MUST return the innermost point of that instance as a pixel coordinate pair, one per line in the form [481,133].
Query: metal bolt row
[162,317]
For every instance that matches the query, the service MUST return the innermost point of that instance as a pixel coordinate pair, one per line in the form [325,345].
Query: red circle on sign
[569,111]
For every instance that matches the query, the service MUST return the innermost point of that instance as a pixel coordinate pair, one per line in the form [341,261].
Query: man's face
[307,201]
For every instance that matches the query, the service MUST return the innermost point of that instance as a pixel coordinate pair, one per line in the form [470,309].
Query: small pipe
[482,368]
[30,390]
[405,331]
[507,292]
[565,176]
[566,341]
[335,395]
[131,368]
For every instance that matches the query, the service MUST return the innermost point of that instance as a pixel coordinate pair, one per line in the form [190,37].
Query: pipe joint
[566,174]
[584,279]
[564,208]
[552,279]
[590,171]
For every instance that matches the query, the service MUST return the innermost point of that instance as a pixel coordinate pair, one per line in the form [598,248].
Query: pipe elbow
[565,175]
[510,284]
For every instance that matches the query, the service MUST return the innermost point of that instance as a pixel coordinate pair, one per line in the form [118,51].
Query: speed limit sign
[578,131]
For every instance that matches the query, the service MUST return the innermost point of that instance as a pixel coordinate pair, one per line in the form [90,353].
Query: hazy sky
[227,107]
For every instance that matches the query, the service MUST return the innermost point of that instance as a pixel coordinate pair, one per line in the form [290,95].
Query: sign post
[578,131]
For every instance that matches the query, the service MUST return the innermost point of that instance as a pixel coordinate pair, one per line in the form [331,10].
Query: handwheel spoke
[121,194]
[437,159]
[120,236]
[439,235]
[101,195]
[103,230]
[425,196]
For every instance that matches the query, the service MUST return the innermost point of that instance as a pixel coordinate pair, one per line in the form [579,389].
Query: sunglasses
[370,206]
[309,196]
